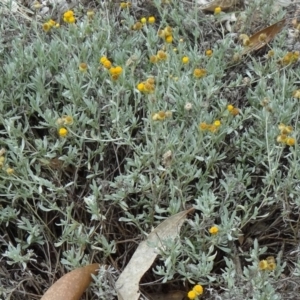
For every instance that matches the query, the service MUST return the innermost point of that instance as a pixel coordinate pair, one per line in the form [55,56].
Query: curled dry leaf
[263,37]
[72,285]
[224,4]
[128,282]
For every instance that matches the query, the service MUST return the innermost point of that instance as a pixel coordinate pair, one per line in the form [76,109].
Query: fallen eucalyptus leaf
[142,259]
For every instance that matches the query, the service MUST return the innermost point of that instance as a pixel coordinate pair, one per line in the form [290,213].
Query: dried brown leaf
[128,282]
[263,37]
[72,285]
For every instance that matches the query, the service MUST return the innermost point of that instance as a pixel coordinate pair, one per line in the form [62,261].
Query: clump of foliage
[116,117]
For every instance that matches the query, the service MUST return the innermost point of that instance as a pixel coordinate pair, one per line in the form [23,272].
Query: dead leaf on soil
[142,259]
[224,4]
[72,285]
[263,37]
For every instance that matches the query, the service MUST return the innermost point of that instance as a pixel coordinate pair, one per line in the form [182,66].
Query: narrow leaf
[72,285]
[128,282]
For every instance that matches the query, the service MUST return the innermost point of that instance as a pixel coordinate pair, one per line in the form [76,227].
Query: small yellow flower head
[103,59]
[107,64]
[168,114]
[199,73]
[36,5]
[263,265]
[115,70]
[213,230]
[151,20]
[262,37]
[191,295]
[271,266]
[245,38]
[271,53]
[151,80]
[203,126]
[161,33]
[69,17]
[124,5]
[188,106]
[235,111]
[90,14]
[2,159]
[51,22]
[290,141]
[169,39]
[153,59]
[296,94]
[141,87]
[137,26]
[185,60]
[83,67]
[217,10]
[62,132]
[285,129]
[161,115]
[168,30]
[68,120]
[161,55]
[148,87]
[198,289]
[143,20]
[209,52]
[270,259]
[10,171]
[46,27]
[230,107]
[281,138]
[217,123]
[155,117]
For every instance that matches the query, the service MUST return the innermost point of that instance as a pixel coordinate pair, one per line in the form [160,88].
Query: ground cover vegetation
[117,115]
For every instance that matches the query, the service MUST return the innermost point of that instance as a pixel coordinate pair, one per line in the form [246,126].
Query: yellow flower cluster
[210,127]
[106,63]
[115,72]
[290,58]
[213,230]
[124,5]
[267,264]
[151,20]
[147,86]
[161,115]
[195,292]
[160,55]
[64,121]
[50,24]
[199,73]
[166,34]
[233,110]
[69,17]
[284,137]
